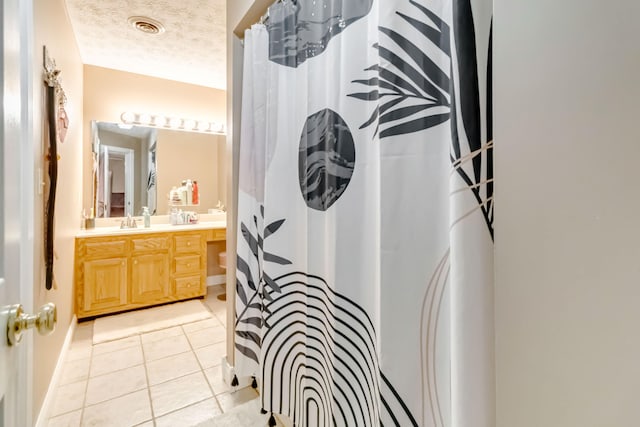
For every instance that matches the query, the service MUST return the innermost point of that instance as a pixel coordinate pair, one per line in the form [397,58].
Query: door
[16,213]
[150,278]
[128,182]
[105,191]
[105,284]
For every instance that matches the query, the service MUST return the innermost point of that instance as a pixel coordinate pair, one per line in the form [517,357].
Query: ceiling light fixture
[146,25]
[177,123]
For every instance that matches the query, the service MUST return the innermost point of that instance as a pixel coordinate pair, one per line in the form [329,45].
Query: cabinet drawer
[188,243]
[187,264]
[217,234]
[150,244]
[188,286]
[105,249]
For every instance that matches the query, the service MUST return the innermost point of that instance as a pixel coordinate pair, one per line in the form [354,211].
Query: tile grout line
[146,375]
[184,407]
[213,392]
[93,355]
[86,387]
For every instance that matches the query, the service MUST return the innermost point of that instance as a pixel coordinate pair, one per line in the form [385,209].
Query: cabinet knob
[122,263]
[135,262]
[188,243]
[188,265]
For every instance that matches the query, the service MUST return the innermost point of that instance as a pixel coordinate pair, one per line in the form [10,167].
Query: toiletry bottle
[196,196]
[189,192]
[183,193]
[174,216]
[174,196]
[147,217]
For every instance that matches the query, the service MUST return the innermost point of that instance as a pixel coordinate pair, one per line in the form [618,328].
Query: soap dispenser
[147,217]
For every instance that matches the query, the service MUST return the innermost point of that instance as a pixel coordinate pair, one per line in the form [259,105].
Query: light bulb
[175,122]
[128,117]
[158,120]
[145,119]
[189,124]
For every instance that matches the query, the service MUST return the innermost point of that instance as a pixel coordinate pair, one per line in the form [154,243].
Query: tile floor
[171,377]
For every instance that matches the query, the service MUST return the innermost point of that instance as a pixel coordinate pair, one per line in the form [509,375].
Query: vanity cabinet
[117,273]
[150,269]
[105,284]
[189,266]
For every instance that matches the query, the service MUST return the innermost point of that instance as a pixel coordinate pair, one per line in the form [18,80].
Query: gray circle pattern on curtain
[326,159]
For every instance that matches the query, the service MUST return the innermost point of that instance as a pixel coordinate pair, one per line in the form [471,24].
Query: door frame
[28,184]
[129,171]
[22,192]
[106,182]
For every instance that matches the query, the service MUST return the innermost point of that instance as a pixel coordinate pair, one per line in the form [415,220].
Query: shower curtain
[365,212]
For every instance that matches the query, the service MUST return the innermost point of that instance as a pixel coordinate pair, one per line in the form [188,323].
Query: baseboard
[284,420]
[43,415]
[220,279]
[228,372]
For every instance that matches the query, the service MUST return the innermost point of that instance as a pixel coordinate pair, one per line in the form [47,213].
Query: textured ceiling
[192,49]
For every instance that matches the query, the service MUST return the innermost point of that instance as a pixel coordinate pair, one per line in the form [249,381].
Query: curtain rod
[255,13]
[264,18]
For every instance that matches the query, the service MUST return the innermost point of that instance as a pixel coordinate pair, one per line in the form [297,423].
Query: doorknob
[18,322]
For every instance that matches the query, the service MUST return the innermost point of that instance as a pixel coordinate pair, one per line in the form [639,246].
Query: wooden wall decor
[57,123]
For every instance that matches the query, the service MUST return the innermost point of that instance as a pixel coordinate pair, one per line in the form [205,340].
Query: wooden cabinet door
[150,278]
[105,283]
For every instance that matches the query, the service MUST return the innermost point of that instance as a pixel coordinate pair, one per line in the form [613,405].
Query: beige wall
[188,155]
[567,231]
[52,29]
[108,93]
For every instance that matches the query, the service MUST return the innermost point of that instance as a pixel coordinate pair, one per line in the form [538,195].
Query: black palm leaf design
[411,96]
[251,317]
[412,93]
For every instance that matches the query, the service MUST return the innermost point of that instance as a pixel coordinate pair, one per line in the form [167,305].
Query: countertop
[155,228]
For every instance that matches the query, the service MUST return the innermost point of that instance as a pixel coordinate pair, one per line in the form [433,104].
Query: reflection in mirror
[126,169]
[138,166]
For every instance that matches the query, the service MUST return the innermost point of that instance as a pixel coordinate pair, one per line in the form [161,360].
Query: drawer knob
[188,243]
[135,262]
[188,265]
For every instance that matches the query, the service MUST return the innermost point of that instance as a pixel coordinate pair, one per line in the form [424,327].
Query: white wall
[567,107]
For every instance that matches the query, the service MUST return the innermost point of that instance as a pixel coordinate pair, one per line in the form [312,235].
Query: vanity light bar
[177,123]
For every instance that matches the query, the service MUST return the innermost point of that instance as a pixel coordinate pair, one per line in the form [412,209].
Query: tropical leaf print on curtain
[413,93]
[250,318]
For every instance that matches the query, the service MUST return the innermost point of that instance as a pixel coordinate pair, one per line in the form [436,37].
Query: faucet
[129,222]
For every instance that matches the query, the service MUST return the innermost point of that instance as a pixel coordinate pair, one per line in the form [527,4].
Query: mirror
[137,166]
